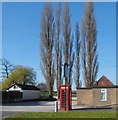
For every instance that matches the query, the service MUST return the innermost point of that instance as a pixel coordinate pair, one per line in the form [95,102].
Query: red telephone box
[65,97]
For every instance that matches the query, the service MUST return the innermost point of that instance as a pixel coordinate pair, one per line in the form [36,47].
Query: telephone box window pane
[63,99]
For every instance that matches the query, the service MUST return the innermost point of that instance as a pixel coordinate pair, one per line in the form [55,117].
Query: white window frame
[103,91]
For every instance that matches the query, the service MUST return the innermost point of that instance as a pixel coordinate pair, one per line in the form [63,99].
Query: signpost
[66,72]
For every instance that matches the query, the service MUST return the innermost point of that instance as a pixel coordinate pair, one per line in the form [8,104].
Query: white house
[30,92]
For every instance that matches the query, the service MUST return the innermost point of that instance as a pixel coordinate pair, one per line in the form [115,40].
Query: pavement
[42,106]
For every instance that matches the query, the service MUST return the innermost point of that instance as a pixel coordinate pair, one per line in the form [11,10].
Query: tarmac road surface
[34,106]
[30,106]
[42,106]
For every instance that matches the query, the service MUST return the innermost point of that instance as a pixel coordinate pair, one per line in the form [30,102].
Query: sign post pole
[56,106]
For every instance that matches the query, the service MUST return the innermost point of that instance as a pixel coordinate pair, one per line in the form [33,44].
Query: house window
[103,94]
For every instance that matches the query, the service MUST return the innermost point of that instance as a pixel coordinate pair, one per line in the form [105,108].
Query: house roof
[104,82]
[26,87]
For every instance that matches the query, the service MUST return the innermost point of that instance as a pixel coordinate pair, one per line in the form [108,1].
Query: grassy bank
[65,115]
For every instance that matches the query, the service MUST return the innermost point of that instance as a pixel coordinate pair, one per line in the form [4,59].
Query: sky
[21,34]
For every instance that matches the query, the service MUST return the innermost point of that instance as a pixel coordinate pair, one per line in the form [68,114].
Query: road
[41,106]
[34,106]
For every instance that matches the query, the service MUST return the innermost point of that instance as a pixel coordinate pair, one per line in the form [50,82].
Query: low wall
[114,97]
[92,97]
[85,97]
[97,97]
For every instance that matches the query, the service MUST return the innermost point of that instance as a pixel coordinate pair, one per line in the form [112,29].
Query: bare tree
[60,65]
[71,60]
[58,49]
[77,57]
[68,41]
[89,45]
[46,46]
[7,68]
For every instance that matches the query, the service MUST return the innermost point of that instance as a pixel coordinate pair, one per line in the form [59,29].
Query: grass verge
[86,114]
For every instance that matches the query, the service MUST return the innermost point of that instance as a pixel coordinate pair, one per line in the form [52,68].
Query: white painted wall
[31,94]
[16,88]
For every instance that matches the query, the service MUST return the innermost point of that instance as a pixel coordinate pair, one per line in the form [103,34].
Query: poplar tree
[58,50]
[89,45]
[47,34]
[77,57]
[68,42]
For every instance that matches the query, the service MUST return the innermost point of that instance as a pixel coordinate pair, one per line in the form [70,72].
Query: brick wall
[114,97]
[85,97]
[97,97]
[92,97]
